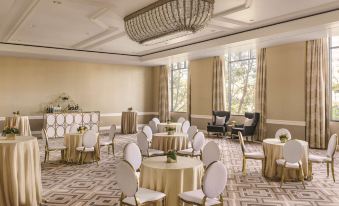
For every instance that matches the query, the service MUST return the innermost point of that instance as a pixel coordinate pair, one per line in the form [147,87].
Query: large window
[334,63]
[178,87]
[240,74]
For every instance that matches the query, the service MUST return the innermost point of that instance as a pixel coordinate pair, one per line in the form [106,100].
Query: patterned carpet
[89,184]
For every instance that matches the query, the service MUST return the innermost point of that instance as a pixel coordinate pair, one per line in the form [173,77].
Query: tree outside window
[178,87]
[334,64]
[240,74]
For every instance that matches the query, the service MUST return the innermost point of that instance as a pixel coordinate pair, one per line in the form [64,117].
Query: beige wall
[286,66]
[28,84]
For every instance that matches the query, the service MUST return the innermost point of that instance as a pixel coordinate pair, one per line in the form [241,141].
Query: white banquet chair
[89,141]
[192,130]
[74,128]
[133,156]
[181,120]
[148,132]
[258,155]
[282,131]
[210,153]
[156,120]
[213,185]
[185,125]
[144,146]
[49,148]
[131,193]
[110,141]
[154,126]
[292,152]
[328,159]
[197,144]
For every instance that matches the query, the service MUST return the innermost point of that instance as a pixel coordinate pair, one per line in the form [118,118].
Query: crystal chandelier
[167,19]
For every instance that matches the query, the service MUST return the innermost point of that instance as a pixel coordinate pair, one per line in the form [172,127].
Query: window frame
[178,67]
[228,60]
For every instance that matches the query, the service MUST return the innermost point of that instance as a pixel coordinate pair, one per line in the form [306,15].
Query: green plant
[283,137]
[10,130]
[170,129]
[172,154]
[82,128]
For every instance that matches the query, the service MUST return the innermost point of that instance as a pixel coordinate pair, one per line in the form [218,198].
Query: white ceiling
[97,25]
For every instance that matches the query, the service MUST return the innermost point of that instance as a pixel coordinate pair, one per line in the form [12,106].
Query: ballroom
[169,102]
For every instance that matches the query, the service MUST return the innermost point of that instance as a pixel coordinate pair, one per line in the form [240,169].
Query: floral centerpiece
[10,132]
[170,130]
[283,138]
[130,108]
[171,157]
[82,129]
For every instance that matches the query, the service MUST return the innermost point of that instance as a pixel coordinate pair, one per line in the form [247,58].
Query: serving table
[171,178]
[166,142]
[129,120]
[273,150]
[162,126]
[20,173]
[19,122]
[74,140]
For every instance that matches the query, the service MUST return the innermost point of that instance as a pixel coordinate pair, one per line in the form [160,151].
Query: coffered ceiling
[97,25]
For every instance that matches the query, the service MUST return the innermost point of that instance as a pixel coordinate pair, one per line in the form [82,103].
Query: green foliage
[82,128]
[172,154]
[178,87]
[10,130]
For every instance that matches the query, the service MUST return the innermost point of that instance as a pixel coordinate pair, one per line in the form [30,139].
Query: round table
[165,142]
[162,126]
[171,178]
[20,173]
[129,121]
[273,150]
[72,141]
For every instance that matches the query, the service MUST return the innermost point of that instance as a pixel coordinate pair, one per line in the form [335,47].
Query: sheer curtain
[164,113]
[317,93]
[218,84]
[260,93]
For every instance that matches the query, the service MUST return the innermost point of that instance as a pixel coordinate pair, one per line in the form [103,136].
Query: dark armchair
[247,130]
[212,127]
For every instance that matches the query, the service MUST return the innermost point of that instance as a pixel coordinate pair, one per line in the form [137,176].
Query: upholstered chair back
[192,130]
[132,155]
[127,179]
[148,132]
[112,131]
[293,151]
[154,126]
[143,143]
[210,153]
[89,139]
[181,120]
[198,141]
[214,180]
[185,125]
[332,145]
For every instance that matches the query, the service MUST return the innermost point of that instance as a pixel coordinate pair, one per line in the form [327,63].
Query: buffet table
[19,122]
[129,120]
[273,150]
[171,178]
[72,141]
[167,142]
[20,173]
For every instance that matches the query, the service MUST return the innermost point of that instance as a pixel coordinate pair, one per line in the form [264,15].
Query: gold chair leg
[80,157]
[45,156]
[244,166]
[82,161]
[302,176]
[282,176]
[113,149]
[310,170]
[328,168]
[62,155]
[263,167]
[332,166]
[108,149]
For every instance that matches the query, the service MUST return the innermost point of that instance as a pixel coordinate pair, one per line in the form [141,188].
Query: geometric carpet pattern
[89,184]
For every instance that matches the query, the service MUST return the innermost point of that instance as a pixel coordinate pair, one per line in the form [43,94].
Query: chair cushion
[288,165]
[197,196]
[57,147]
[87,149]
[154,152]
[219,121]
[105,143]
[248,122]
[318,158]
[255,155]
[188,152]
[144,195]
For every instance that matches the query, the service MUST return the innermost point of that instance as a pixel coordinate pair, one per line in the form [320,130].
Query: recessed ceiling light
[56,2]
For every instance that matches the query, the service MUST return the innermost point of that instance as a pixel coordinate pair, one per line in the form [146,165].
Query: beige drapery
[317,93]
[260,93]
[218,84]
[164,113]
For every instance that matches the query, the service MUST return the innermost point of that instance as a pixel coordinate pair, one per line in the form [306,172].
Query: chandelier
[167,19]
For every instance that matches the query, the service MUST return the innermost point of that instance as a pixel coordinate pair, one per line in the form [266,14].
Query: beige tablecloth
[20,172]
[171,178]
[19,122]
[166,142]
[162,126]
[129,122]
[72,141]
[273,150]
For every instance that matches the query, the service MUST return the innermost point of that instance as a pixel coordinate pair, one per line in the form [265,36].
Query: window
[240,74]
[334,64]
[178,87]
